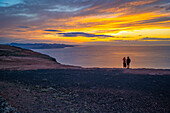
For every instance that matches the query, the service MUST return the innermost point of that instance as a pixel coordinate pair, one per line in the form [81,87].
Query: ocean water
[157,57]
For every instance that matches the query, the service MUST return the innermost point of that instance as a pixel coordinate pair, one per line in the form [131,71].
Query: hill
[15,58]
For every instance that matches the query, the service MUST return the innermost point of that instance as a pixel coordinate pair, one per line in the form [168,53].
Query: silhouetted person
[124,62]
[128,62]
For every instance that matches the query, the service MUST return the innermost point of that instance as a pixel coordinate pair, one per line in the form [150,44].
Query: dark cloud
[147,38]
[154,20]
[46,33]
[143,22]
[168,8]
[51,30]
[40,14]
[39,11]
[76,34]
[19,30]
[23,26]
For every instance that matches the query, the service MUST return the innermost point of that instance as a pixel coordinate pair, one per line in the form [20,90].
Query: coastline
[16,58]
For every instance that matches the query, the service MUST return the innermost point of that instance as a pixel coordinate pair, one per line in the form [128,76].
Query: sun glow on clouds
[86,21]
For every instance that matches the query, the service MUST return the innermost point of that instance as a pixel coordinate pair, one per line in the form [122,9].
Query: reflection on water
[111,56]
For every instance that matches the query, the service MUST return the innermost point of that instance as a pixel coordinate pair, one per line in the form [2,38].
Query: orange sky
[86,22]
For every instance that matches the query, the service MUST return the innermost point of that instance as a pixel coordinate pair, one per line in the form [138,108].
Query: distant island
[40,45]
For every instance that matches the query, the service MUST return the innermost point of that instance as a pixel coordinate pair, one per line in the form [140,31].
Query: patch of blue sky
[8,3]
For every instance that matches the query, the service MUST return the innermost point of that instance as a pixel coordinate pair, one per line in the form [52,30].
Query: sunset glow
[85,21]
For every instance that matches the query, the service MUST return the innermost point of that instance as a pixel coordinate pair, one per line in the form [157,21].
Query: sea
[102,56]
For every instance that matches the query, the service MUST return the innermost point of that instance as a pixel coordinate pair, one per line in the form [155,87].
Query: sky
[115,22]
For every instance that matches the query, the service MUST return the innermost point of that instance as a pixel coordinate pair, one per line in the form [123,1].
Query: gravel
[5,107]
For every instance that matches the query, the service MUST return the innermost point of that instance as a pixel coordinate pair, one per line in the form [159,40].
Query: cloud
[20,31]
[64,8]
[23,26]
[92,16]
[42,10]
[147,38]
[46,33]
[160,19]
[25,15]
[168,8]
[76,34]
[51,30]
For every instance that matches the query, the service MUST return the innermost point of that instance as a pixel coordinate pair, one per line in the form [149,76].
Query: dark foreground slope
[68,89]
[85,90]
[15,58]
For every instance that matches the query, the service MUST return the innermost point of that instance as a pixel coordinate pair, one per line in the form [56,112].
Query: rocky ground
[58,88]
[5,107]
[85,91]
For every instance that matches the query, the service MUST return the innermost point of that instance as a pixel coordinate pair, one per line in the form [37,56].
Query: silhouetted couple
[126,62]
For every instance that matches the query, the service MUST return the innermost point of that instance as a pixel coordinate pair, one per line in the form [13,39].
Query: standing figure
[124,62]
[128,62]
